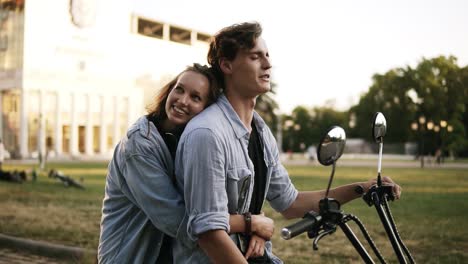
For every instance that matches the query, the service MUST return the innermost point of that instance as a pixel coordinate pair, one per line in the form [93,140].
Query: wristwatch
[248,223]
[359,190]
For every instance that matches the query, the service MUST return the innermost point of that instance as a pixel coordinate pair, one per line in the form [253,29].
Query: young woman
[142,208]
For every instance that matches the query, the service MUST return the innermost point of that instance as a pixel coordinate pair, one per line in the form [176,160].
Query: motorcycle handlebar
[309,221]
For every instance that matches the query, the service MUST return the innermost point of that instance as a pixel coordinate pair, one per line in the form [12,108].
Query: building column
[1,117]
[73,127]
[58,125]
[41,133]
[166,32]
[23,137]
[89,127]
[193,37]
[103,129]
[116,122]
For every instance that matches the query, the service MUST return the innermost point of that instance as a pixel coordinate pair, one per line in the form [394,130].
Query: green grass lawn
[432,215]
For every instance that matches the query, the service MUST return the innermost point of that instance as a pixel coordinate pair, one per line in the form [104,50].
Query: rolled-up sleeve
[281,192]
[200,166]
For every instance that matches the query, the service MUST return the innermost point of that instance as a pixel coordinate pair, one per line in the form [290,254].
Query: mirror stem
[331,179]
[379,168]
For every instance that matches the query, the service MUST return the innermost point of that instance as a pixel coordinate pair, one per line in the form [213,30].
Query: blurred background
[75,74]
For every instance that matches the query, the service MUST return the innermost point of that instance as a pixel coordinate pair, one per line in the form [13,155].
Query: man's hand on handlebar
[387,181]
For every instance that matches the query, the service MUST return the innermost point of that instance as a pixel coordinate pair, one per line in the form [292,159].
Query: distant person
[438,156]
[2,154]
[142,210]
[312,153]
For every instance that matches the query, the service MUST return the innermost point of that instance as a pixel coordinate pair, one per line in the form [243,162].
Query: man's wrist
[359,189]
[365,186]
[248,223]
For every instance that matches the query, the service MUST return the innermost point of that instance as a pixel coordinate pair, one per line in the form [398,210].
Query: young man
[227,161]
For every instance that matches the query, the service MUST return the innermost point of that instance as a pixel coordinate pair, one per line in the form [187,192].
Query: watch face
[359,189]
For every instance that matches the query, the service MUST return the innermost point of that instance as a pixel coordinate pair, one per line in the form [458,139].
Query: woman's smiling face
[188,97]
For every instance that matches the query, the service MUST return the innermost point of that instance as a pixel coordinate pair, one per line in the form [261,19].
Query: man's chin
[266,89]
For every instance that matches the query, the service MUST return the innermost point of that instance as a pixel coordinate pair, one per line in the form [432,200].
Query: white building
[75,74]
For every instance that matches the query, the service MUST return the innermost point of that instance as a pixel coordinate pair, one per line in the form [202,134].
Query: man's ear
[225,65]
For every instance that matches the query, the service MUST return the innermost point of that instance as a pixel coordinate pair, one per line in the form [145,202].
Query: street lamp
[288,125]
[443,125]
[422,121]
[279,130]
[430,125]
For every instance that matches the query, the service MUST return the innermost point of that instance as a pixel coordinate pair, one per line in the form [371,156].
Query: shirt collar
[239,129]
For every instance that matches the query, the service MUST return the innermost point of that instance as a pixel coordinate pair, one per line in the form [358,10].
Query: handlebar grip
[309,221]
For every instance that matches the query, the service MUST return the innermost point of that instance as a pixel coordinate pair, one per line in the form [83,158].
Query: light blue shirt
[141,203]
[217,176]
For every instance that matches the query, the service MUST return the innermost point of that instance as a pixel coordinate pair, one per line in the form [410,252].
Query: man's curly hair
[228,41]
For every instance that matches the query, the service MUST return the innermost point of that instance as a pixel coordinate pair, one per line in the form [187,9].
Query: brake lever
[320,236]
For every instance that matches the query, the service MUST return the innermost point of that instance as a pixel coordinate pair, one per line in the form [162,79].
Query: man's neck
[244,108]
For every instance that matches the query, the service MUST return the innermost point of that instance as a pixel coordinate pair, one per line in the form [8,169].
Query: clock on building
[83,12]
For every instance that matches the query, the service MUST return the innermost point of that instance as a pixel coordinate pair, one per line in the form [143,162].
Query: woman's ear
[225,65]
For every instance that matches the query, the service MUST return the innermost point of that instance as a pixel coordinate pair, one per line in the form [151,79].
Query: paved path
[385,164]
[10,256]
[21,250]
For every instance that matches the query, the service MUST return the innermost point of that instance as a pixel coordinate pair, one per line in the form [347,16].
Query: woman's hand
[263,226]
[256,247]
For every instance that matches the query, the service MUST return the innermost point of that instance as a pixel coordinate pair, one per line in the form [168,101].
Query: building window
[150,28]
[66,135]
[180,35]
[11,120]
[96,138]
[11,34]
[12,4]
[203,37]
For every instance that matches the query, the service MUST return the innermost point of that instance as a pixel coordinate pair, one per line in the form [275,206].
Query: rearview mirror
[331,146]
[379,127]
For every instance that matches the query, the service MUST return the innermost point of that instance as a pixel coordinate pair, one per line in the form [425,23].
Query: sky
[326,52]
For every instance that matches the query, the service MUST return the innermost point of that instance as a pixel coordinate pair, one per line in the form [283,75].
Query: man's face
[251,70]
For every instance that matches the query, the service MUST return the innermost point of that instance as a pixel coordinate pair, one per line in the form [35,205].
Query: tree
[435,89]
[267,107]
[305,127]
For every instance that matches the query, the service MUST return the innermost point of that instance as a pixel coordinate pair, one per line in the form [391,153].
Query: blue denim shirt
[217,176]
[141,203]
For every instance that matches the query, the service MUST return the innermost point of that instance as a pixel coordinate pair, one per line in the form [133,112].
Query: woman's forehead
[194,80]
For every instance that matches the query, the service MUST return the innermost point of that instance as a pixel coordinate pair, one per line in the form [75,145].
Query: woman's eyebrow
[179,83]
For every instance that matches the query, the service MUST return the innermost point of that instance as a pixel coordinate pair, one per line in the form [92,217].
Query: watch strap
[248,223]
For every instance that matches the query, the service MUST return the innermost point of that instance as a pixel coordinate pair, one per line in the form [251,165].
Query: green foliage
[306,127]
[436,89]
[266,106]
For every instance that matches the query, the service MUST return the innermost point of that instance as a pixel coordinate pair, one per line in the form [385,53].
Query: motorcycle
[330,216]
